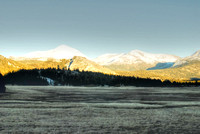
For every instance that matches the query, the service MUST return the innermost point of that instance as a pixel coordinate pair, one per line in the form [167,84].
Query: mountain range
[133,63]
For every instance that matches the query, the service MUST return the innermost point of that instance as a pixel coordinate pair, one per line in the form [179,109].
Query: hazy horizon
[100,27]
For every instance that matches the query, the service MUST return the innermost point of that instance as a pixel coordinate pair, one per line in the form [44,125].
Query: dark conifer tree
[2,84]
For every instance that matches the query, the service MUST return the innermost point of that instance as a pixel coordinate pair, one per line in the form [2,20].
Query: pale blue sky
[97,27]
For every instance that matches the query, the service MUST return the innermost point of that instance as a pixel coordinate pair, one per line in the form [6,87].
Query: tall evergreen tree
[2,84]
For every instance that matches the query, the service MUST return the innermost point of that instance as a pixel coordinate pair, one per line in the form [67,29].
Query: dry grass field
[123,110]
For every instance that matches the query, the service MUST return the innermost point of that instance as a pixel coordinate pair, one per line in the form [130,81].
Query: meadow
[123,110]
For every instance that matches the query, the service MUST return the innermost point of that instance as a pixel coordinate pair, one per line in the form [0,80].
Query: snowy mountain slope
[107,58]
[134,56]
[194,57]
[136,59]
[61,52]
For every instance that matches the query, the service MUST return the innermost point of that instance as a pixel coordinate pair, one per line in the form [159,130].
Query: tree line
[57,76]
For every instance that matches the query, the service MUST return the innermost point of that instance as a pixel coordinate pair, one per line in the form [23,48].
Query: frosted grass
[26,109]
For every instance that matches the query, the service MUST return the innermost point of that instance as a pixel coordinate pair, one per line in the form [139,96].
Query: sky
[96,27]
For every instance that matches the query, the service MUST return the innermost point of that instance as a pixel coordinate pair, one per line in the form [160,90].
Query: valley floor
[124,110]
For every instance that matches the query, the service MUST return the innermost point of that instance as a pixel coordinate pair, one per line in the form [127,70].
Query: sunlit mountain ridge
[81,63]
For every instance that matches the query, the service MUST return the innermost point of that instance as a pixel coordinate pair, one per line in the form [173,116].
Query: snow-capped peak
[134,57]
[60,52]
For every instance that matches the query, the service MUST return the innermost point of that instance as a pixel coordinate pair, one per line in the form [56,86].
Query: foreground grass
[99,110]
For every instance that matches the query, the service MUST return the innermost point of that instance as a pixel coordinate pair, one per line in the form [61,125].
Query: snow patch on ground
[50,81]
